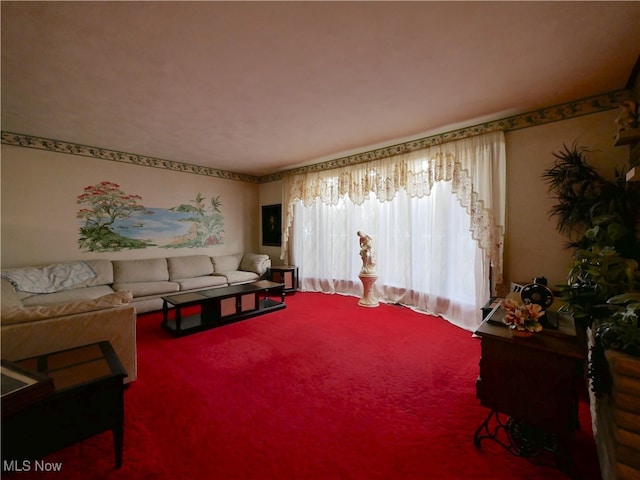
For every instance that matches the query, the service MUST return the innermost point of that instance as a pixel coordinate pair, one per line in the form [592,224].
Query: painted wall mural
[112,220]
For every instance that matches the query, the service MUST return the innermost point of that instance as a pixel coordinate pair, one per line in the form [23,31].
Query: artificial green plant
[600,218]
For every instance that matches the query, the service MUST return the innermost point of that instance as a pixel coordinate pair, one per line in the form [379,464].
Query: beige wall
[39,191]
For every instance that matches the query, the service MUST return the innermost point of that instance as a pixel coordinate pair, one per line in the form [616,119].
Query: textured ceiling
[259,87]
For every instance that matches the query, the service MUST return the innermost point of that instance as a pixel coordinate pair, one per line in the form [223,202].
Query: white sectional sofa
[147,279]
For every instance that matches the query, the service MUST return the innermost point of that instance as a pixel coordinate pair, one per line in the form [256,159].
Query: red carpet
[324,389]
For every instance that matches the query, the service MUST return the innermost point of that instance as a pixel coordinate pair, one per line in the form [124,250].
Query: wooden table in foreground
[534,382]
[88,399]
[221,306]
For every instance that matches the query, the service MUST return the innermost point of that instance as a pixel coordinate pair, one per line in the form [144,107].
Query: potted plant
[622,331]
[599,216]
[598,271]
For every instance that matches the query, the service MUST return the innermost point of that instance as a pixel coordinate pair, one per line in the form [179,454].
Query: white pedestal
[368,297]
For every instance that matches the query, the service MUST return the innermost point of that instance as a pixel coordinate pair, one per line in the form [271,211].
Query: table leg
[521,440]
[118,444]
[165,312]
[178,318]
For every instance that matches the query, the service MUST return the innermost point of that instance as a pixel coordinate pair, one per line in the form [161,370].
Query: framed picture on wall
[272,225]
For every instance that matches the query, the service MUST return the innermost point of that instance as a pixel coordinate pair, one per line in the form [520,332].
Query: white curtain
[436,217]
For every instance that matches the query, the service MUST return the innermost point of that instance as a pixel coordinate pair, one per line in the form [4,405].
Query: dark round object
[538,294]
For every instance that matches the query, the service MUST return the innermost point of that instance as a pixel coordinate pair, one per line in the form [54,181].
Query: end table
[88,399]
[287,274]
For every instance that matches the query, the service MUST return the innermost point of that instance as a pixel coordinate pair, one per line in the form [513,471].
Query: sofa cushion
[135,271]
[254,262]
[103,270]
[226,263]
[18,314]
[104,273]
[238,276]
[189,266]
[66,296]
[50,279]
[141,289]
[202,282]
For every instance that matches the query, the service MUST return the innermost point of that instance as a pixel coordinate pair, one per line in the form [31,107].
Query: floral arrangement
[522,316]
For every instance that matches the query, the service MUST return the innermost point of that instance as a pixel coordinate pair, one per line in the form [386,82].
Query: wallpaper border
[59,146]
[577,108]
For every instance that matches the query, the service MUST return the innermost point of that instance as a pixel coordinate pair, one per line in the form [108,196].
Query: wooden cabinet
[287,274]
[535,383]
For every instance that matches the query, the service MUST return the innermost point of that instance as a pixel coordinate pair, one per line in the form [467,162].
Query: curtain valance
[475,166]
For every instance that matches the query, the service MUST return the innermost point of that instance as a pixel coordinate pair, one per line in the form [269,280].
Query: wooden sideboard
[531,385]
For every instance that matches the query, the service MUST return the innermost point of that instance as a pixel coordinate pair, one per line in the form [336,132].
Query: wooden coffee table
[221,306]
[88,399]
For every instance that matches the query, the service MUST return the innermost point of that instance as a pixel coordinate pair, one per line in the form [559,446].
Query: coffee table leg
[165,312]
[118,443]
[178,318]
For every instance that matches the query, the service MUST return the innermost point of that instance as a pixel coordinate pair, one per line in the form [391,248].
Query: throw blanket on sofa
[49,279]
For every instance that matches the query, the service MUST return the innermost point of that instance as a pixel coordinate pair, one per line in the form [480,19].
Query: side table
[88,399]
[534,382]
[287,274]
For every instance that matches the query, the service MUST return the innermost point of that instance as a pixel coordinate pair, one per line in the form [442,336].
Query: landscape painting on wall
[112,220]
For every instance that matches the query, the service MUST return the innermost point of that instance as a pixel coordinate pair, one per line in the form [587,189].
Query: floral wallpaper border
[586,106]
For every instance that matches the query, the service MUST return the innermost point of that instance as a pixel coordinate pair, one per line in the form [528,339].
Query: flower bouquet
[522,317]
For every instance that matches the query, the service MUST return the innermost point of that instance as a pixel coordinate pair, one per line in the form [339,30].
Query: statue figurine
[367,254]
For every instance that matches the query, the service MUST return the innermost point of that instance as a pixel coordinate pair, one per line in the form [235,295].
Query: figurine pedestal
[368,297]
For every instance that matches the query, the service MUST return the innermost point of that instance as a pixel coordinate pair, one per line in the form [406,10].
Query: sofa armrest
[9,297]
[20,314]
[256,263]
[117,325]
